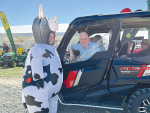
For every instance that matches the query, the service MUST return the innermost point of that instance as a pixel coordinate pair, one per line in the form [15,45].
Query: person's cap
[125,10]
[146,41]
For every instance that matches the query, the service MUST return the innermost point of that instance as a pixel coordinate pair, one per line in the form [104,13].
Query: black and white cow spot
[37,76]
[30,100]
[28,76]
[31,58]
[48,54]
[50,77]
[28,71]
[54,94]
[60,70]
[43,110]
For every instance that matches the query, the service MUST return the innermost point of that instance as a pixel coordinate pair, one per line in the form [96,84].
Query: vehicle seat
[1,53]
[19,51]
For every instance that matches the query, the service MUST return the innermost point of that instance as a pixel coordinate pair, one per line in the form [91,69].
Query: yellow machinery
[1,52]
[20,51]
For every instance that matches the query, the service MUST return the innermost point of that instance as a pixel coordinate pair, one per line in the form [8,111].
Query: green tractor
[15,57]
[12,60]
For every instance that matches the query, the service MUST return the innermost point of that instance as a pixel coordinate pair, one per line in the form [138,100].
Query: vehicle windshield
[100,45]
[97,42]
[134,39]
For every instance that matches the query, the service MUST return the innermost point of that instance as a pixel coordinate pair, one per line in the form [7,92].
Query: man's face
[84,40]
[4,45]
[144,46]
[51,38]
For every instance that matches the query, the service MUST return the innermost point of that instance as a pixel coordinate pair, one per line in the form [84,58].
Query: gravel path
[10,100]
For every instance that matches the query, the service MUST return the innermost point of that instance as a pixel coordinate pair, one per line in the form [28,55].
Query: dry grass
[16,72]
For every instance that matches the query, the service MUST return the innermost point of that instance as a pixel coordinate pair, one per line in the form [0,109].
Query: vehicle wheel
[125,108]
[140,101]
[1,64]
[13,64]
[24,59]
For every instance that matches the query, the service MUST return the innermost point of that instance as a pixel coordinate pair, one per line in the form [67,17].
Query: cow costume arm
[36,64]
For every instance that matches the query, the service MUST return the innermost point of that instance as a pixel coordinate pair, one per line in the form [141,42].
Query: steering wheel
[67,57]
[132,47]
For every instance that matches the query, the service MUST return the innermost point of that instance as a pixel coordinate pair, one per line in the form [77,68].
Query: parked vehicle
[105,80]
[12,60]
[16,57]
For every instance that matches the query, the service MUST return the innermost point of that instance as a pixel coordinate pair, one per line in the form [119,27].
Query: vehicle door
[128,71]
[82,75]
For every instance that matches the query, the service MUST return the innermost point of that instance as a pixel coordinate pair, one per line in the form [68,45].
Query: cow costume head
[42,27]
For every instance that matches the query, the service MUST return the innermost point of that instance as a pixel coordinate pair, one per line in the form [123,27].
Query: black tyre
[140,101]
[125,108]
[13,64]
[1,64]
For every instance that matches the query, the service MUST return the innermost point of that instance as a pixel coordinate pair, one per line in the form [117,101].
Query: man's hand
[71,55]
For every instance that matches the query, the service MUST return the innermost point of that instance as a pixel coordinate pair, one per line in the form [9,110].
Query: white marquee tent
[23,36]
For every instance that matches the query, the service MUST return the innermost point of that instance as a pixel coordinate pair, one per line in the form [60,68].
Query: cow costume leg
[42,77]
[36,100]
[53,102]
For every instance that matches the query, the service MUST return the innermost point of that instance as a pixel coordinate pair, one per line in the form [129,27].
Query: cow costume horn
[42,27]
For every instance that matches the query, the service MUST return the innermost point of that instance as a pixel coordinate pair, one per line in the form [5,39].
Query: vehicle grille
[6,57]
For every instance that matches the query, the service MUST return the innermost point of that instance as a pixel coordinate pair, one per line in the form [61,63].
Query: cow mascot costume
[42,76]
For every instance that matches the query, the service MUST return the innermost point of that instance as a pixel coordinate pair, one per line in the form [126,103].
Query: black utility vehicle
[105,79]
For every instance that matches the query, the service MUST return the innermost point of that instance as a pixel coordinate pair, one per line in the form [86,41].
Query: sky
[23,12]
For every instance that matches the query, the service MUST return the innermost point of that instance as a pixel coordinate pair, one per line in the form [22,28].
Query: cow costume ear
[53,25]
[40,11]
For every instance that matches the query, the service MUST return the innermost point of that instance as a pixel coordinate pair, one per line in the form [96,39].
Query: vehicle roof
[93,24]
[109,16]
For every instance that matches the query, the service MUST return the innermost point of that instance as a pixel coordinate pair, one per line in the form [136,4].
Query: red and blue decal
[142,71]
[70,79]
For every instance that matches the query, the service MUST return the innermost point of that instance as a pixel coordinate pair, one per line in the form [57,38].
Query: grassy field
[16,72]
